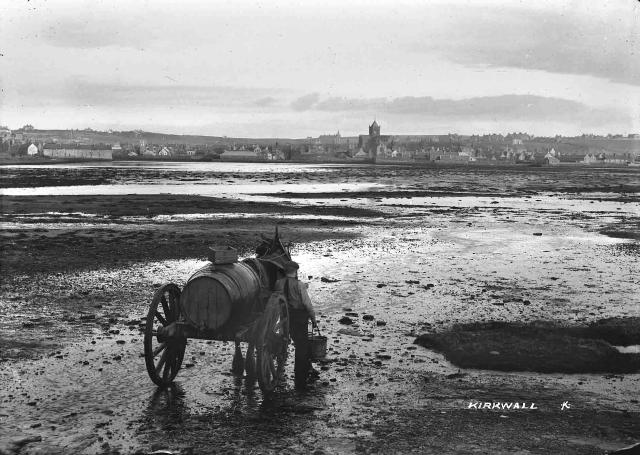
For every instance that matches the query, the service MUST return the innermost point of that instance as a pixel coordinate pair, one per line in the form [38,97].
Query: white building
[81,154]
[32,150]
[551,157]
[238,155]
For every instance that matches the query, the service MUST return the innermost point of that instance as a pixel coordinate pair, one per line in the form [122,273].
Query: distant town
[32,145]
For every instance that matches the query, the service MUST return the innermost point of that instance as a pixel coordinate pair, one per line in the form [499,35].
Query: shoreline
[356,162]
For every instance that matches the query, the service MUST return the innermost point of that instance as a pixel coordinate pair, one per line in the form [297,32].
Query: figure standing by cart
[300,311]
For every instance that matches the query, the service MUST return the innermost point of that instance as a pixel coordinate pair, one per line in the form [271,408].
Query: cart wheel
[250,363]
[270,366]
[163,356]
[272,347]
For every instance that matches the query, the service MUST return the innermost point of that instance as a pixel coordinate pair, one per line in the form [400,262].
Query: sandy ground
[419,257]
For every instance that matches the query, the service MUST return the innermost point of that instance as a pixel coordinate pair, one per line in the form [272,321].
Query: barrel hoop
[234,281]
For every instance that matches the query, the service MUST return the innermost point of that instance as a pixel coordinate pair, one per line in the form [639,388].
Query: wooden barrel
[215,294]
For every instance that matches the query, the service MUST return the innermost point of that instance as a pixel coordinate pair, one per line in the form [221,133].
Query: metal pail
[318,344]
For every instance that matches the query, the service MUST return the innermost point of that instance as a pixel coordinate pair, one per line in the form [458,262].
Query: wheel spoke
[168,365]
[161,362]
[163,358]
[173,305]
[174,361]
[177,360]
[166,371]
[165,307]
[161,347]
[161,318]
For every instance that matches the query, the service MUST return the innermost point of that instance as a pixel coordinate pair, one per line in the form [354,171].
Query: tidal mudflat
[483,266]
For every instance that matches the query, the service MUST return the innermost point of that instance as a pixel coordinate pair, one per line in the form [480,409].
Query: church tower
[374,140]
[374,129]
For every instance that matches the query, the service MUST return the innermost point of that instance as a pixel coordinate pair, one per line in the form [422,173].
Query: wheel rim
[163,357]
[272,341]
[271,362]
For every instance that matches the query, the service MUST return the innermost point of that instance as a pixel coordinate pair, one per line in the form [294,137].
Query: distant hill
[134,137]
[617,146]
[575,147]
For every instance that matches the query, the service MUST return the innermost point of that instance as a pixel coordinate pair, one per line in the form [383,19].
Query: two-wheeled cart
[227,300]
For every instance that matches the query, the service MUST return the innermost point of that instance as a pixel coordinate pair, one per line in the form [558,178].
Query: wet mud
[109,229]
[382,270]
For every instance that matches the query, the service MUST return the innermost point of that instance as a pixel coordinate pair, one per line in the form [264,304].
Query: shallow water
[217,189]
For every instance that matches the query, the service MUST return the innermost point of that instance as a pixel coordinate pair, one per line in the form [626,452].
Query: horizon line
[113,131]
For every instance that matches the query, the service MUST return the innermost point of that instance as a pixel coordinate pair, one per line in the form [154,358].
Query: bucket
[318,346]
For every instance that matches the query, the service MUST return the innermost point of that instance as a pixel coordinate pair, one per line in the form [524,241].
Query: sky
[304,68]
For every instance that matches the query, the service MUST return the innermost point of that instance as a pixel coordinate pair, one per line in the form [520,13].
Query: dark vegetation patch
[619,232]
[164,204]
[90,248]
[39,177]
[545,347]
[626,226]
[617,331]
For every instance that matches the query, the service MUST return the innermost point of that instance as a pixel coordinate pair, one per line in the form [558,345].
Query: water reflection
[243,395]
[167,408]
[243,412]
[236,421]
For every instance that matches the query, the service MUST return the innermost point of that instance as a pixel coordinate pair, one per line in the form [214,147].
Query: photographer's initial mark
[565,405]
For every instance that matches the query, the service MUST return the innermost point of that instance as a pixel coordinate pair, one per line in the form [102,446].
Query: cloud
[106,98]
[305,102]
[267,101]
[86,28]
[509,107]
[601,45]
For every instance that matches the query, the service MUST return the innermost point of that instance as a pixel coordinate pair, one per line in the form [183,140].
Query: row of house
[515,147]
[602,158]
[253,153]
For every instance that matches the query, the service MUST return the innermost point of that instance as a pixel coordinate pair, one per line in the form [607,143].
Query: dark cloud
[305,102]
[603,46]
[266,101]
[78,92]
[504,107]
